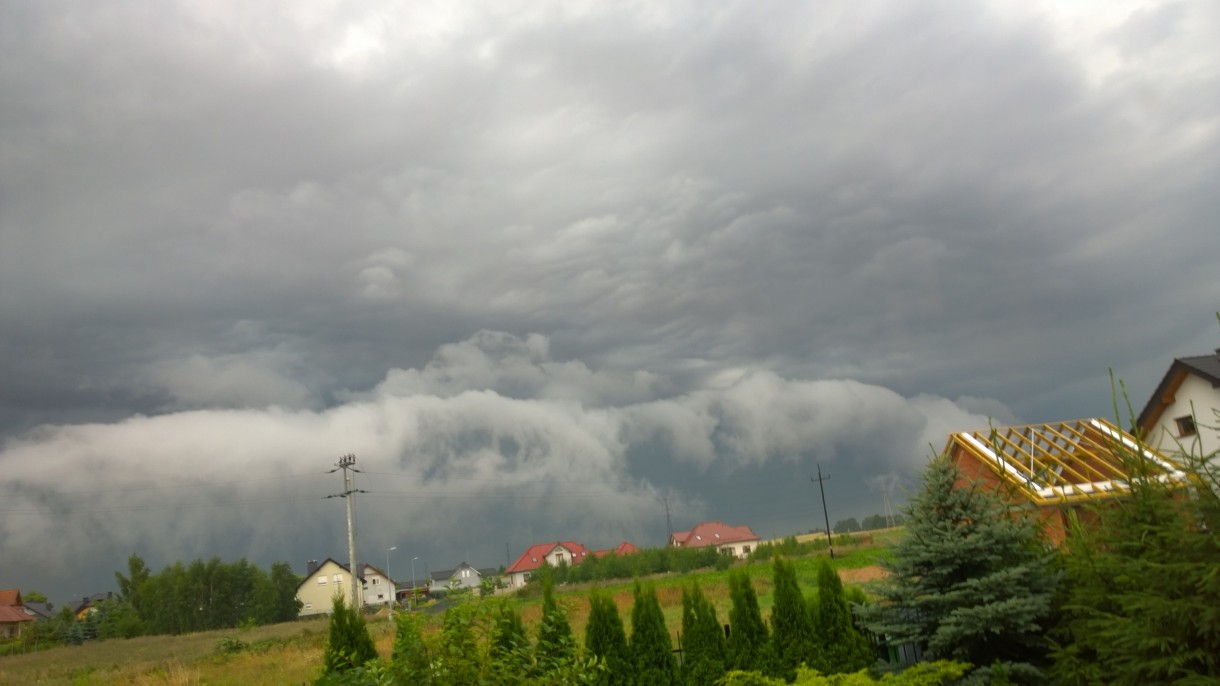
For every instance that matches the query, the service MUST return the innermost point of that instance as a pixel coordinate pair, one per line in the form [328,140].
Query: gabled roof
[1207,367]
[712,533]
[322,564]
[447,574]
[534,556]
[38,610]
[364,568]
[1064,462]
[623,548]
[10,597]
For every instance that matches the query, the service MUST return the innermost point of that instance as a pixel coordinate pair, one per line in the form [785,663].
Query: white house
[554,554]
[378,587]
[1183,414]
[737,541]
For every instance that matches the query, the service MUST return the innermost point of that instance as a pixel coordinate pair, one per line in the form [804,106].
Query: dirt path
[862,575]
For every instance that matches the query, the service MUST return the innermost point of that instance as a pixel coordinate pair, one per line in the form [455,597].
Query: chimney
[310,567]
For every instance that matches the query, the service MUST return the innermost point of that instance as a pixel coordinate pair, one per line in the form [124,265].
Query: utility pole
[347,464]
[669,525]
[829,541]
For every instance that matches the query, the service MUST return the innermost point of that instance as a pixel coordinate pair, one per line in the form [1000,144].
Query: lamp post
[393,586]
[413,582]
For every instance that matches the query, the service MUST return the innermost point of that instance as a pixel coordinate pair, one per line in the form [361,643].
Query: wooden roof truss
[1065,461]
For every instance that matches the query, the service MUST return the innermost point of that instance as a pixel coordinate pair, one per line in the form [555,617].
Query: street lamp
[413,582]
[393,586]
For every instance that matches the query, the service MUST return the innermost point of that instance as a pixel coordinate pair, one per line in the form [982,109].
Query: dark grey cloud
[676,243]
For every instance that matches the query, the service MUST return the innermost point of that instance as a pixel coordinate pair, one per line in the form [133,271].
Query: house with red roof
[623,548]
[554,554]
[737,541]
[12,613]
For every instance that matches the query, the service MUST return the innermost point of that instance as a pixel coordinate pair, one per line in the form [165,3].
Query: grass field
[291,653]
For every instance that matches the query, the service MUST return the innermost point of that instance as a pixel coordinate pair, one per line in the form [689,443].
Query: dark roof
[38,610]
[1208,366]
[1204,366]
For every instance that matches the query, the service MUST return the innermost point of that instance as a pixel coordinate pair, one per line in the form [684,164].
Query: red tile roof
[10,614]
[712,533]
[533,557]
[623,548]
[10,596]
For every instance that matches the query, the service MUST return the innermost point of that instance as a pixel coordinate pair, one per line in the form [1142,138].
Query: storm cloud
[546,267]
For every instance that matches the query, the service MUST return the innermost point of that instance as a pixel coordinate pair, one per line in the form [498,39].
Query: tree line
[485,641]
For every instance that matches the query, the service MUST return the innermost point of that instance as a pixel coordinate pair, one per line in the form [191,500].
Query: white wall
[1195,396]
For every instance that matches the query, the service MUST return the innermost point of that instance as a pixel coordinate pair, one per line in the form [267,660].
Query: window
[338,578]
[375,581]
[465,573]
[745,550]
[322,580]
[308,606]
[1186,426]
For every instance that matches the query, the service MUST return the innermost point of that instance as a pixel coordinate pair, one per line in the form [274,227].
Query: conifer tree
[792,632]
[1143,600]
[972,581]
[348,644]
[510,649]
[841,647]
[703,646]
[556,644]
[606,639]
[749,647]
[651,648]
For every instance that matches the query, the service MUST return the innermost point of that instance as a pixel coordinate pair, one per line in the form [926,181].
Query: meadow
[291,653]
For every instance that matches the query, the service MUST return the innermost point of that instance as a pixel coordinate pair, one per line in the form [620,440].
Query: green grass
[291,653]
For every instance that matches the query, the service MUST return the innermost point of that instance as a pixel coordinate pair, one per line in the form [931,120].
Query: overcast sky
[546,267]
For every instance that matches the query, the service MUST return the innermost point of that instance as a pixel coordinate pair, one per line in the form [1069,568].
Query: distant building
[321,584]
[737,541]
[560,552]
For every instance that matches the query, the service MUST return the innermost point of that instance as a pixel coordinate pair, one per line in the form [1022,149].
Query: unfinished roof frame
[1065,462]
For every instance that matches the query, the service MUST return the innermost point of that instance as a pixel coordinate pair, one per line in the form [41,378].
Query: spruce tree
[651,648]
[972,581]
[606,639]
[749,647]
[841,647]
[1143,600]
[703,647]
[348,644]
[792,632]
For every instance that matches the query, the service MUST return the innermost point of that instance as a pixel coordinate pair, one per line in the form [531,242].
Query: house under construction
[1058,466]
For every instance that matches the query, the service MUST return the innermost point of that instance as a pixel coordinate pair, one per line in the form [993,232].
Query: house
[736,541]
[623,548]
[462,576]
[377,585]
[1057,467]
[90,603]
[13,616]
[1183,414]
[554,554]
[321,584]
